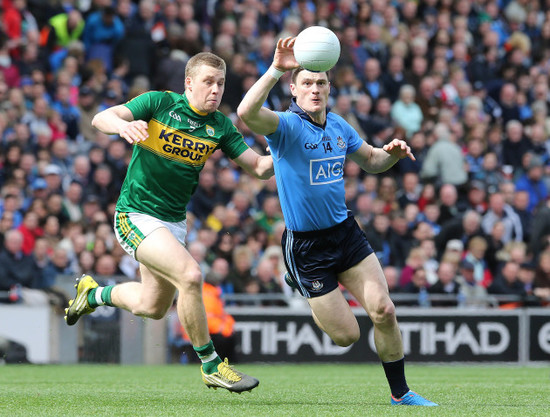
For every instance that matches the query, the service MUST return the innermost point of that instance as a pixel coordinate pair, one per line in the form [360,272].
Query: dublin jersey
[309,167]
[164,169]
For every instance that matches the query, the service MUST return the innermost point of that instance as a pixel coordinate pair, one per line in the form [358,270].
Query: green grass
[285,390]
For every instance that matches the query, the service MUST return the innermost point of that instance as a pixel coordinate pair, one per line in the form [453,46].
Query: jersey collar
[294,108]
[200,113]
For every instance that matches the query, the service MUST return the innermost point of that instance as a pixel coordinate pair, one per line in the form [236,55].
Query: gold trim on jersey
[176,145]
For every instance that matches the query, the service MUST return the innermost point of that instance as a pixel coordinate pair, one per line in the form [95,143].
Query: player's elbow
[95,121]
[243,111]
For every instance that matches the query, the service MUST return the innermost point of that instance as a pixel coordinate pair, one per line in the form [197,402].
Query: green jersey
[164,170]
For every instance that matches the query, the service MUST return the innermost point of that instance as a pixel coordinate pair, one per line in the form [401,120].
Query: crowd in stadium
[466,83]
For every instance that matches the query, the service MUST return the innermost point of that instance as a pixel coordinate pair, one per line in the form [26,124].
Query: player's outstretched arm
[119,120]
[256,165]
[260,119]
[375,160]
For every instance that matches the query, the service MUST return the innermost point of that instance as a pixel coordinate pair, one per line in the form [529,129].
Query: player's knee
[346,335]
[346,340]
[157,313]
[191,280]
[384,313]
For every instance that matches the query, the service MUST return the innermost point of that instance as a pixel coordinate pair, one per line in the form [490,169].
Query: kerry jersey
[309,168]
[164,170]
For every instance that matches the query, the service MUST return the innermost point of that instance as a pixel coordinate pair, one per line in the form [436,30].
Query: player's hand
[135,131]
[399,149]
[284,59]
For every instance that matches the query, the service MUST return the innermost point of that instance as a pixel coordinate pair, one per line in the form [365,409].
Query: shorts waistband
[322,232]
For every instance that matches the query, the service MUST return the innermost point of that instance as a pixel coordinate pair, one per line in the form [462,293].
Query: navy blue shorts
[314,259]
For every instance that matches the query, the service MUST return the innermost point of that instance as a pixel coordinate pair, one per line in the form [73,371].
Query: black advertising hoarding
[539,336]
[434,335]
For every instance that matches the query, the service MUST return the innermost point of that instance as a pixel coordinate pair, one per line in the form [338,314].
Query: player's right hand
[284,59]
[135,131]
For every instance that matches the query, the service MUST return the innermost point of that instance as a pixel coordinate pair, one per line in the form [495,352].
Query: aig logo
[311,145]
[174,115]
[326,171]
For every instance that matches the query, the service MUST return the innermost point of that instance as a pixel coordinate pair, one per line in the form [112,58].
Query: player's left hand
[399,149]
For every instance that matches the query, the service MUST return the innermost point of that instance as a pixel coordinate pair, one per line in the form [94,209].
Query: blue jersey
[309,168]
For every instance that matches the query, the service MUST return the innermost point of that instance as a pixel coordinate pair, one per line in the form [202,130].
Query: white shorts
[132,228]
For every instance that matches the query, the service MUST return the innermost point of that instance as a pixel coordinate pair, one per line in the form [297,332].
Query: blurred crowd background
[464,82]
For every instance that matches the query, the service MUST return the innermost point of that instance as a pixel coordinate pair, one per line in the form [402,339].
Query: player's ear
[293,89]
[188,83]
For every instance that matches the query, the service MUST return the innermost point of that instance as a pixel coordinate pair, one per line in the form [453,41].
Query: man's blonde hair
[203,58]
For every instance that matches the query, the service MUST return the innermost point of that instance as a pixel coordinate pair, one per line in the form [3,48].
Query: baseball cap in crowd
[478,185]
[535,161]
[111,94]
[478,85]
[52,169]
[26,80]
[465,264]
[39,184]
[528,265]
[455,244]
[91,199]
[85,91]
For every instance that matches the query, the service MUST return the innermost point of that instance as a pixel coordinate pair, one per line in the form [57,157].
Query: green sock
[104,298]
[209,358]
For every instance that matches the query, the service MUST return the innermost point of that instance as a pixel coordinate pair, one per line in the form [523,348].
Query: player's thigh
[334,316]
[366,282]
[166,258]
[157,293]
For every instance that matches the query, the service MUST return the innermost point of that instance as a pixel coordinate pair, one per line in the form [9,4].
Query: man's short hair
[203,58]
[299,70]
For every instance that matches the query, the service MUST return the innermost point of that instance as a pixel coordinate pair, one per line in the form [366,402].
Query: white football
[317,49]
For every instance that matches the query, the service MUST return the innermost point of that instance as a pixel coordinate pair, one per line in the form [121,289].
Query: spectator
[142,33]
[540,230]
[507,283]
[6,224]
[241,272]
[515,144]
[446,284]
[475,295]
[269,215]
[405,112]
[462,228]
[476,251]
[372,76]
[532,182]
[62,29]
[542,277]
[448,207]
[414,261]
[30,230]
[102,32]
[526,276]
[444,153]
[392,279]
[343,108]
[18,271]
[59,264]
[419,286]
[504,213]
[394,80]
[411,190]
[428,100]
[266,277]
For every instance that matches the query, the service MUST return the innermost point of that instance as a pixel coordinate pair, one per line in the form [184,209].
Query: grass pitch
[284,390]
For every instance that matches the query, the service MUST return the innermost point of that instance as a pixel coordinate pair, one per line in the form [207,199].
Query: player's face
[311,91]
[205,89]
